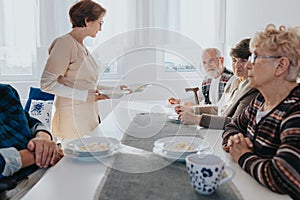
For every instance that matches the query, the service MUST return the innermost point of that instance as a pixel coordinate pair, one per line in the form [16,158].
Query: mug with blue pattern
[206,172]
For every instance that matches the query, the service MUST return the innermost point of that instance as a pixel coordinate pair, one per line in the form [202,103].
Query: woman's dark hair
[241,50]
[85,9]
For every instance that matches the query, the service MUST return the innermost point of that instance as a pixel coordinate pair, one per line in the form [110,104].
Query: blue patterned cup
[206,171]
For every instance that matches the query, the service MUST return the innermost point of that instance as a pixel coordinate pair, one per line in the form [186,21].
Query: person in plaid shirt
[265,139]
[213,85]
[25,143]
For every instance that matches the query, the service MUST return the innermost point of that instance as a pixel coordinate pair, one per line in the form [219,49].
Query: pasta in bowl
[92,147]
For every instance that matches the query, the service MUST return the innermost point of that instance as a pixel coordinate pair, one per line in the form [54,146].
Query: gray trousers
[23,186]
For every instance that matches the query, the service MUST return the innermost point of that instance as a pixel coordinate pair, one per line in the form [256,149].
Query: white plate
[114,94]
[92,147]
[181,146]
[160,152]
[138,87]
[174,118]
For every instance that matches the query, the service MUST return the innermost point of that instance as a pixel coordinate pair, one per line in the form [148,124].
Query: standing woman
[265,139]
[71,73]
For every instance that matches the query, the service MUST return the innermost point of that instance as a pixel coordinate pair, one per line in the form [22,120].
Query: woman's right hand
[95,95]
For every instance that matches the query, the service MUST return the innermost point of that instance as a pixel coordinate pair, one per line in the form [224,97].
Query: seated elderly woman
[265,139]
[234,100]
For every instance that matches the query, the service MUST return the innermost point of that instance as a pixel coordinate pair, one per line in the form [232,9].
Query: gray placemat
[168,182]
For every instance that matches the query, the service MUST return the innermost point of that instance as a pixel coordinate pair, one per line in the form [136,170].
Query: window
[189,26]
[18,42]
[27,29]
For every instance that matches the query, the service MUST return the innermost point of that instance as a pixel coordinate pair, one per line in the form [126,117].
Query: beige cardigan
[69,73]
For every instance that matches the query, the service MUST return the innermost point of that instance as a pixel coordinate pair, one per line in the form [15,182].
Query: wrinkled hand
[173,101]
[189,118]
[58,156]
[95,95]
[239,145]
[179,109]
[45,151]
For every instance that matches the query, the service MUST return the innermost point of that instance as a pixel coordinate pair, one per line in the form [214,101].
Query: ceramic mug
[206,171]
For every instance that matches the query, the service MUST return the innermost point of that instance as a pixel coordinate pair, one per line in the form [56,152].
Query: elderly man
[217,77]
[25,143]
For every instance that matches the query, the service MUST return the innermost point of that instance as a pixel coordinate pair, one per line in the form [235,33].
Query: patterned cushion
[41,110]
[37,94]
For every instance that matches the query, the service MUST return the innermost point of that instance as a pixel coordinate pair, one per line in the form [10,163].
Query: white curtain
[18,37]
[28,27]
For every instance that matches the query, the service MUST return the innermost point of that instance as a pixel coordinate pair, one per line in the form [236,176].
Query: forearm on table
[13,160]
[27,158]
[213,121]
[212,110]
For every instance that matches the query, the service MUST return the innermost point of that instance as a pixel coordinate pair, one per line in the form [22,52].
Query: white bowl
[181,146]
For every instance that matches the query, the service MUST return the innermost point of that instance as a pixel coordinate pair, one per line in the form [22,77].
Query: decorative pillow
[41,110]
[37,94]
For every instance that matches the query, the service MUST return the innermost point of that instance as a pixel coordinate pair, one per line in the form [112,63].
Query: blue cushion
[37,94]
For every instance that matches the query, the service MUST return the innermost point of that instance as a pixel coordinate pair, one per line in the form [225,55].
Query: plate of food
[160,152]
[181,146]
[174,118]
[114,94]
[92,147]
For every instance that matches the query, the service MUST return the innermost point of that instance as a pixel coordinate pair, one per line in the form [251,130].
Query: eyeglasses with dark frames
[101,22]
[253,57]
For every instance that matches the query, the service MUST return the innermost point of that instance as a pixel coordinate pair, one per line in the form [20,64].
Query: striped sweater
[275,161]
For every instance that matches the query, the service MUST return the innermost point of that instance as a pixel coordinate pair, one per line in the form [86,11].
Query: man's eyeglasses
[253,57]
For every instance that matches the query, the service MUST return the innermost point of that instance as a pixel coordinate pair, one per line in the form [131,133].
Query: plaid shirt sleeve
[10,162]
[17,128]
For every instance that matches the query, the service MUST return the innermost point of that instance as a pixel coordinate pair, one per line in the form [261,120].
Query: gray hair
[219,53]
[281,41]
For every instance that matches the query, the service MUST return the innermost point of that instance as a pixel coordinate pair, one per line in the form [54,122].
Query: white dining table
[78,180]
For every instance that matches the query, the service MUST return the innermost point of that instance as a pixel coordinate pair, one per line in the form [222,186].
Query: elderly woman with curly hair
[265,139]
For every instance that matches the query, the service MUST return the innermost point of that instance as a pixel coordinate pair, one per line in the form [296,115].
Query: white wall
[244,17]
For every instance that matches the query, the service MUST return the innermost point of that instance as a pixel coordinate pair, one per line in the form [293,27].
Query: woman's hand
[189,118]
[239,145]
[95,95]
[179,109]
